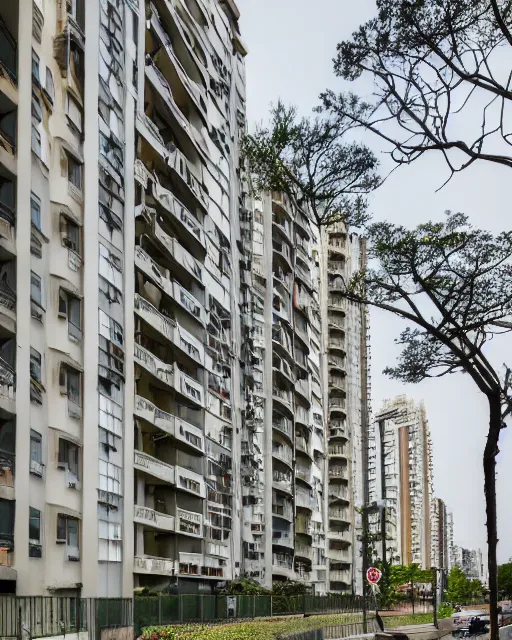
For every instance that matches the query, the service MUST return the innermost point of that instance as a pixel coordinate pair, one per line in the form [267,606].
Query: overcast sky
[291,45]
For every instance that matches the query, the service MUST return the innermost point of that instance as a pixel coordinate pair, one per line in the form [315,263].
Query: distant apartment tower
[471,561]
[346,398]
[283,439]
[450,539]
[400,478]
[439,536]
[121,195]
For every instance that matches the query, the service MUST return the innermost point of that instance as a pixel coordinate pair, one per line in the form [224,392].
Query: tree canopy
[434,63]
[460,588]
[308,159]
[505,579]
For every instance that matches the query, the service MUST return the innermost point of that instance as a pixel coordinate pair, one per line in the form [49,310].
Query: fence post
[304,604]
[254,605]
[201,606]
[180,606]
[271,606]
[159,608]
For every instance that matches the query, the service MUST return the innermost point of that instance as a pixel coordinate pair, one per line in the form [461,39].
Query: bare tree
[453,284]
[308,159]
[434,63]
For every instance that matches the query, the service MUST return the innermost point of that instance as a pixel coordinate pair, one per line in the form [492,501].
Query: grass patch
[402,621]
[268,629]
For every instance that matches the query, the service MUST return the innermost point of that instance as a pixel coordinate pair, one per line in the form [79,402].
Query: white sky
[291,46]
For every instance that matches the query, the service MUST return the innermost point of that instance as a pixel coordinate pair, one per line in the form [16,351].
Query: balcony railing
[339,514]
[305,500]
[153,565]
[282,394]
[303,473]
[340,576]
[336,319]
[337,302]
[301,444]
[283,511]
[303,275]
[152,466]
[302,387]
[340,555]
[7,380]
[7,469]
[283,453]
[284,425]
[304,551]
[338,450]
[189,523]
[336,361]
[337,403]
[152,518]
[281,561]
[338,472]
[336,265]
[158,368]
[150,412]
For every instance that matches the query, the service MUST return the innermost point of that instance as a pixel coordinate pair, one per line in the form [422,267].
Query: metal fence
[158,610]
[40,616]
[355,629]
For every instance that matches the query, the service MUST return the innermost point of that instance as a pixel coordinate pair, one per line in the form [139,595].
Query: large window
[75,173]
[67,533]
[70,307]
[34,533]
[36,453]
[110,545]
[110,477]
[36,289]
[35,365]
[7,522]
[70,385]
[69,455]
[35,210]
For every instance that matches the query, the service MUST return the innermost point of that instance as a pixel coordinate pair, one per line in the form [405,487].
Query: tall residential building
[472,562]
[400,478]
[439,536]
[120,199]
[283,439]
[450,540]
[346,398]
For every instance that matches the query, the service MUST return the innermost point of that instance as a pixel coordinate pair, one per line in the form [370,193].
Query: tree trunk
[491,449]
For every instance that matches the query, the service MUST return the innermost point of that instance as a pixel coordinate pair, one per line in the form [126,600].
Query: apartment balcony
[344,577]
[282,224]
[195,91]
[7,387]
[338,429]
[7,572]
[282,538]
[283,397]
[336,342]
[303,222]
[342,515]
[304,500]
[302,387]
[177,428]
[302,333]
[303,551]
[217,550]
[7,465]
[336,320]
[161,277]
[282,201]
[281,366]
[337,303]
[170,329]
[151,565]
[338,473]
[304,474]
[284,426]
[283,454]
[189,523]
[282,481]
[336,362]
[339,555]
[302,416]
[190,482]
[283,252]
[303,276]
[153,519]
[340,535]
[302,445]
[336,266]
[155,468]
[182,258]
[336,246]
[282,565]
[338,451]
[281,277]
[337,404]
[187,223]
[8,63]
[157,368]
[303,526]
[284,511]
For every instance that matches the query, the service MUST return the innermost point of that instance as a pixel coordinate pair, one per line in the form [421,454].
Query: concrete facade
[400,478]
[439,536]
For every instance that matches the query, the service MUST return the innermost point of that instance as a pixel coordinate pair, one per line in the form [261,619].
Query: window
[75,10]
[108,440]
[190,485]
[110,545]
[36,453]
[69,456]
[36,289]
[35,68]
[7,523]
[35,365]
[70,234]
[35,210]
[110,477]
[67,533]
[74,113]
[34,533]
[36,141]
[193,439]
[69,382]
[50,88]
[70,307]
[74,173]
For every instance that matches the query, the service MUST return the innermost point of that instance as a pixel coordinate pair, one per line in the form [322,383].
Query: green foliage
[308,159]
[387,595]
[403,574]
[248,586]
[505,579]
[145,592]
[391,622]
[445,610]
[253,630]
[460,588]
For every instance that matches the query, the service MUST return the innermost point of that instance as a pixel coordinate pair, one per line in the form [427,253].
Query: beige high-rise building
[400,478]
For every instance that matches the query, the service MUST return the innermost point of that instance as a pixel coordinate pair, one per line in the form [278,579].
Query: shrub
[445,610]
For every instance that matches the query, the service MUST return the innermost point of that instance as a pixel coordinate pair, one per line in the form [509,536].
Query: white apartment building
[400,478]
[183,393]
[439,536]
[119,203]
